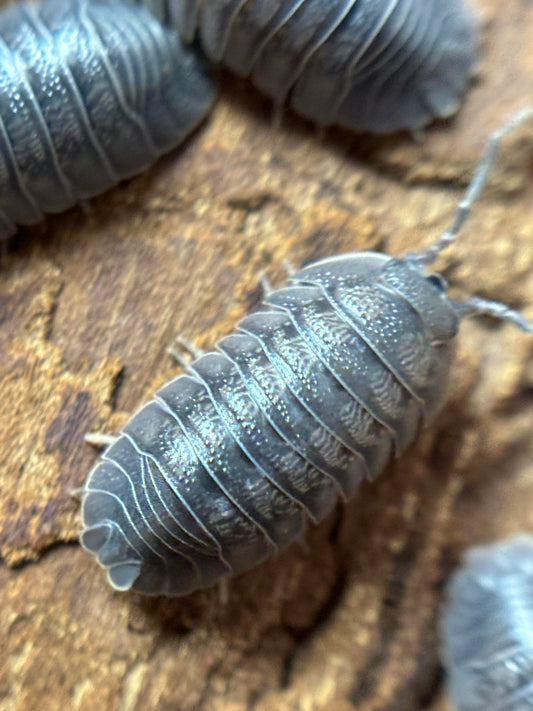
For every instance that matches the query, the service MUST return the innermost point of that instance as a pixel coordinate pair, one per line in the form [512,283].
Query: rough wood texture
[88,305]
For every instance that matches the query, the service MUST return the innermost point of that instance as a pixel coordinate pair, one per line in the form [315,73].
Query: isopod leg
[278,114]
[223,591]
[289,268]
[99,440]
[418,135]
[190,349]
[475,187]
[266,285]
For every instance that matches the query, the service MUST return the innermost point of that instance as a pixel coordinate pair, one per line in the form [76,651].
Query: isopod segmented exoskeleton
[375,65]
[487,628]
[91,93]
[223,467]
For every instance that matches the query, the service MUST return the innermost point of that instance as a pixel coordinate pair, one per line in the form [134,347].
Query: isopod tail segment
[476,305]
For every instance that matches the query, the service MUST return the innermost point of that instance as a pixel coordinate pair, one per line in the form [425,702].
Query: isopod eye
[438,281]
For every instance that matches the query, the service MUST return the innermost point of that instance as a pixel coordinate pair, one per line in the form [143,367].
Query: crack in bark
[303,638]
[52,311]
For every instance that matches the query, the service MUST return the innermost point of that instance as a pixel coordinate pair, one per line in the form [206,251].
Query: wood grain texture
[89,304]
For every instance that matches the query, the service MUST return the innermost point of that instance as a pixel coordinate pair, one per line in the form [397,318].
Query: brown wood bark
[88,305]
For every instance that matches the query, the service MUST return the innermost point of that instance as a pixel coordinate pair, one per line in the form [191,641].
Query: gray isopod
[91,93]
[374,65]
[311,396]
[487,628]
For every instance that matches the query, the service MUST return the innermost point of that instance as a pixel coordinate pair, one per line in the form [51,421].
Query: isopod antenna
[474,304]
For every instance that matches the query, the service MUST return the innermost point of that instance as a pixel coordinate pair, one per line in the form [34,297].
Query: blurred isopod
[310,397]
[368,65]
[487,628]
[91,93]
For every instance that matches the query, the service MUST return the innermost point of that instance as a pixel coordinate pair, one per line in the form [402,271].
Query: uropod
[368,65]
[312,395]
[91,92]
[487,628]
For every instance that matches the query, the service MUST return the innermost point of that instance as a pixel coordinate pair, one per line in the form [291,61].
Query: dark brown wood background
[90,302]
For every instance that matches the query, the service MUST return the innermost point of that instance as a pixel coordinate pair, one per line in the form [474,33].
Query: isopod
[91,93]
[487,628]
[368,65]
[311,396]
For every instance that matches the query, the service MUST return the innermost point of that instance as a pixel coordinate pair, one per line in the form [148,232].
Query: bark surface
[90,302]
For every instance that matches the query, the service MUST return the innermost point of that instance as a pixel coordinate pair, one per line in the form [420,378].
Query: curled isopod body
[310,397]
[487,628]
[91,93]
[375,65]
